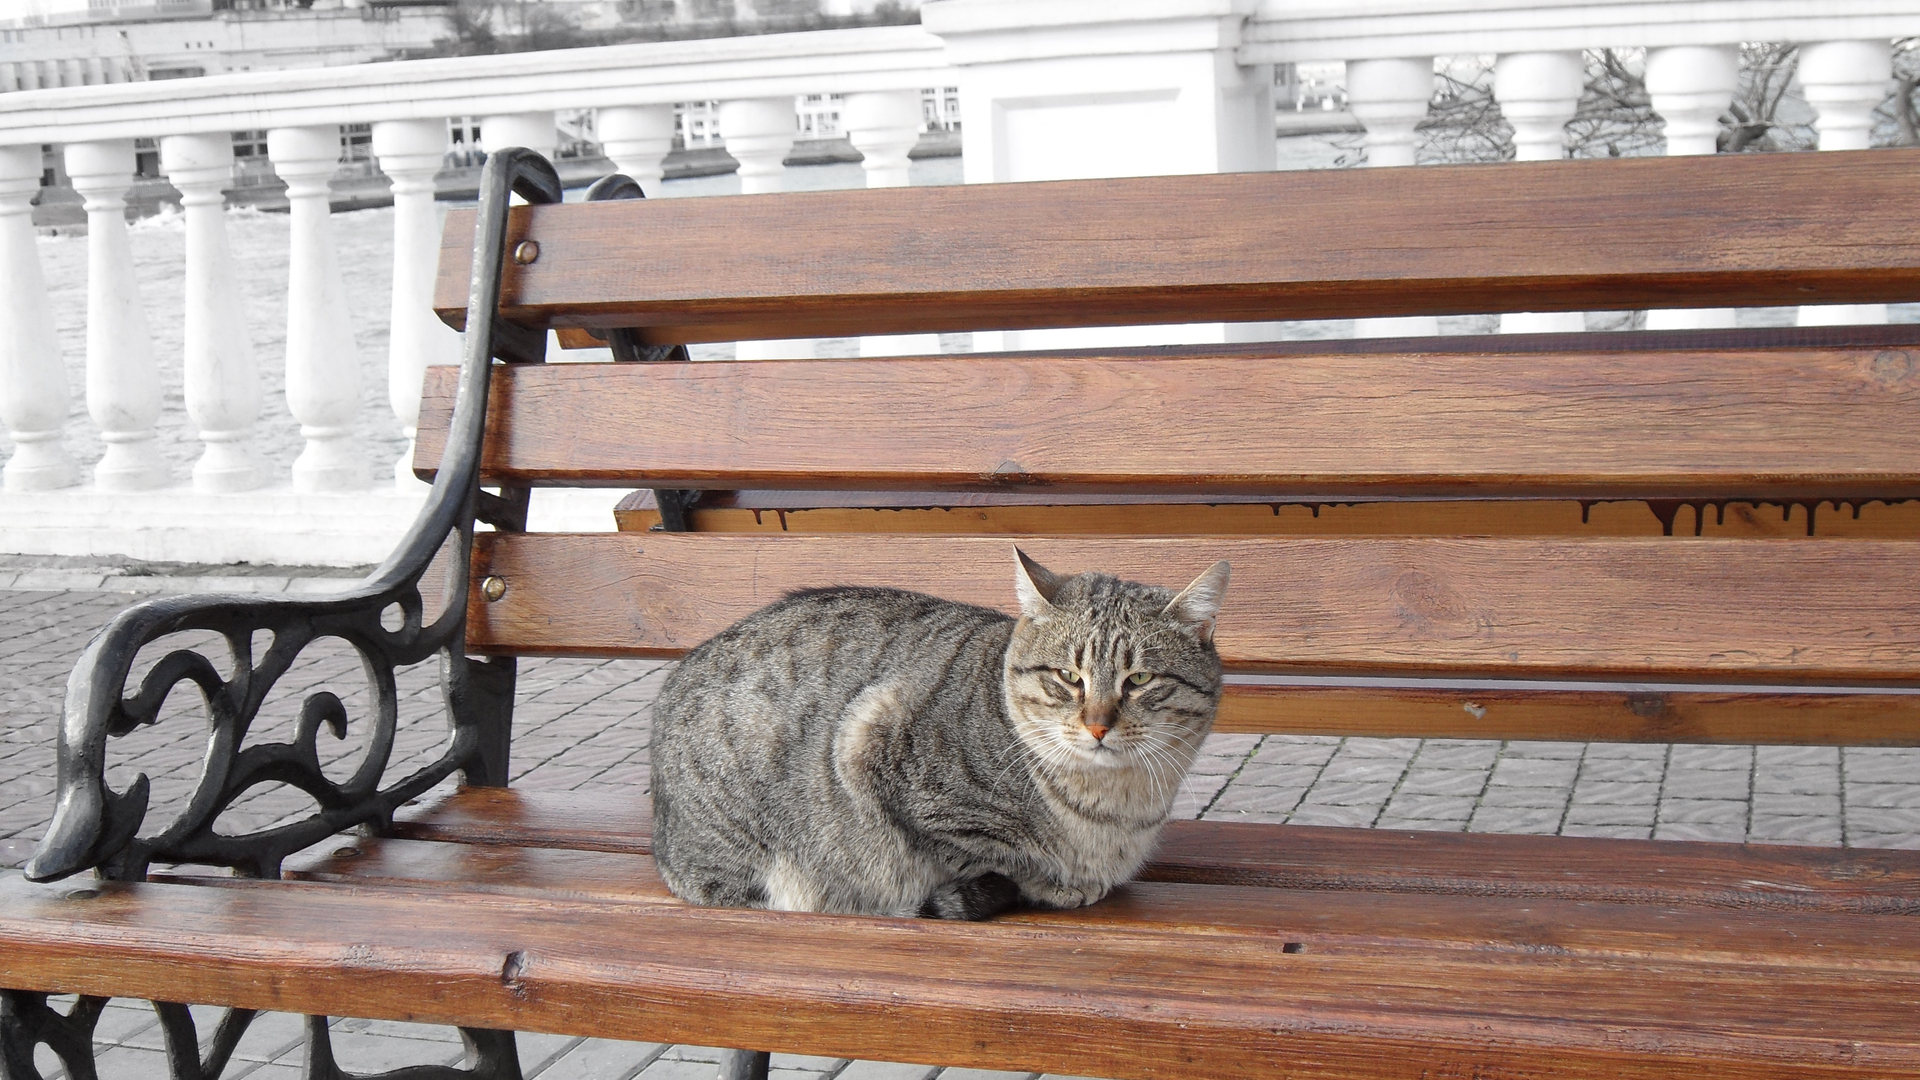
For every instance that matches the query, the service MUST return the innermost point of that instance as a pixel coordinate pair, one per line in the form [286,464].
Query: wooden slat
[1549,236]
[1046,513]
[1103,1000]
[1787,424]
[1749,877]
[1828,611]
[1346,922]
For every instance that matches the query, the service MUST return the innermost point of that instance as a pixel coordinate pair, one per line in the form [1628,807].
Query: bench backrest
[1818,419]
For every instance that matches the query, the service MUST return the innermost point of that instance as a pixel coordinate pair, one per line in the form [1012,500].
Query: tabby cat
[882,752]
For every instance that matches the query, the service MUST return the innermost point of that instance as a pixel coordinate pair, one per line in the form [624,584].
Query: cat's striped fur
[883,752]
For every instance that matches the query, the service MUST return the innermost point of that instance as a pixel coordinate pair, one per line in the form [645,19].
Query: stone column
[759,134]
[222,383]
[323,361]
[637,138]
[123,379]
[1538,94]
[1844,82]
[884,126]
[1691,87]
[33,379]
[1390,98]
[410,153]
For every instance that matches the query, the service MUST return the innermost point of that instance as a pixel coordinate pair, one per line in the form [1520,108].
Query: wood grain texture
[1786,424]
[1743,877]
[1348,922]
[1835,611]
[1120,1002]
[1549,236]
[1017,513]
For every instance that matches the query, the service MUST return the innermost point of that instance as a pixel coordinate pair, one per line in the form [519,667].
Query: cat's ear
[1199,602]
[1035,585]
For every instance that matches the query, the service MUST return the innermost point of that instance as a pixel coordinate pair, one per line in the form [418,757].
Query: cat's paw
[972,898]
[1053,894]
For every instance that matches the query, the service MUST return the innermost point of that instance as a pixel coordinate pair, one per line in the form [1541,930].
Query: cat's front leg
[1048,893]
[971,899]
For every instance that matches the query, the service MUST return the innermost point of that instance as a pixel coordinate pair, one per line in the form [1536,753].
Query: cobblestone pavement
[581,725]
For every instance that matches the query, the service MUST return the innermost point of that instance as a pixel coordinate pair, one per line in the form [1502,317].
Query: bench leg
[27,1021]
[183,1041]
[745,1065]
[491,1055]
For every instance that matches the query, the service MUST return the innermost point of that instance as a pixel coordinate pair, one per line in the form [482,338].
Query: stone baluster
[1844,82]
[884,126]
[323,361]
[1691,87]
[1538,93]
[222,383]
[123,379]
[410,153]
[535,131]
[759,134]
[636,138]
[1390,98]
[33,380]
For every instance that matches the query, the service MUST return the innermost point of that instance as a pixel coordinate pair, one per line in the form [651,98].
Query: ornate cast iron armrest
[99,828]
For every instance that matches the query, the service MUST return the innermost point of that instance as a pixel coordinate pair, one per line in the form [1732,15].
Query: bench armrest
[95,827]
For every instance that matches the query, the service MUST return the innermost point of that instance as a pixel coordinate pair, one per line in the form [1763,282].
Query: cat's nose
[1098,731]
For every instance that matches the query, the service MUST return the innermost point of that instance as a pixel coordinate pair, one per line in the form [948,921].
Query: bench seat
[1297,950]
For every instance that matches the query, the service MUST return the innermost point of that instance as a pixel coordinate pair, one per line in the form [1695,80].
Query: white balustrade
[1844,82]
[1691,87]
[323,362]
[222,383]
[1048,92]
[411,152]
[637,139]
[33,381]
[123,379]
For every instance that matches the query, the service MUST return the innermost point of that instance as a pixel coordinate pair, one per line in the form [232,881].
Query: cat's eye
[1071,678]
[1140,678]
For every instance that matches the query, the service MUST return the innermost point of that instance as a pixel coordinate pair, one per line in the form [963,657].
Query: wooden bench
[1519,538]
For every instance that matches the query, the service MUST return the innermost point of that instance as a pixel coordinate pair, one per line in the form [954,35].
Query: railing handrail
[1290,31]
[651,73]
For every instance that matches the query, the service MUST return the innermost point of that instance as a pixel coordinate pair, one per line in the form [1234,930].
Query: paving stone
[1418,824]
[662,1069]
[805,1063]
[1522,749]
[1258,774]
[1615,832]
[609,1059]
[1380,748]
[365,1052]
[1296,750]
[1457,754]
[1512,771]
[1273,799]
[1425,781]
[131,1063]
[1782,829]
[1610,814]
[1797,779]
[1349,794]
[1883,795]
[1638,770]
[982,1074]
[1346,769]
[1356,817]
[1882,765]
[1704,812]
[886,1070]
[1625,752]
[1908,840]
[1717,832]
[1449,807]
[1618,792]
[1796,805]
[1555,797]
[1872,819]
[1695,783]
[1771,756]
